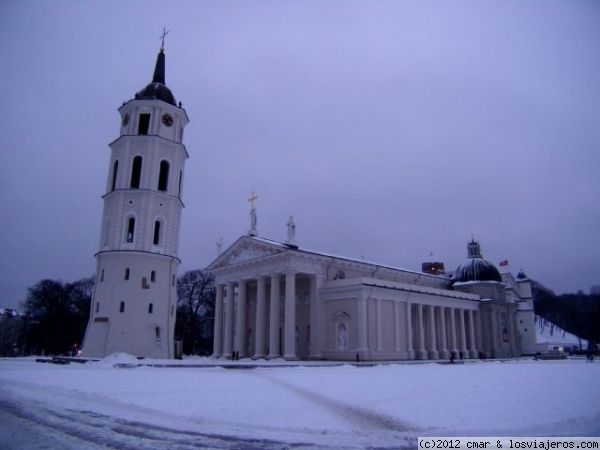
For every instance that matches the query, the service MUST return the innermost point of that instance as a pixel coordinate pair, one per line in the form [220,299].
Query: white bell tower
[135,300]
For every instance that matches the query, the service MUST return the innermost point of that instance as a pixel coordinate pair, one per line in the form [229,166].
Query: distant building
[433,268]
[595,290]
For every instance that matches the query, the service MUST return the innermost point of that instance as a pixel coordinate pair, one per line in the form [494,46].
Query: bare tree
[195,312]
[58,314]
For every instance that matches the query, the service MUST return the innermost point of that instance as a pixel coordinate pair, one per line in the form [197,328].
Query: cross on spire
[162,37]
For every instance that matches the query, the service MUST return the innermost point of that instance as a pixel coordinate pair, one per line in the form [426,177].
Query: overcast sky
[391,130]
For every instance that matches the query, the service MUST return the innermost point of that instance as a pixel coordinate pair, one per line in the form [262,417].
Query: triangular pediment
[246,249]
[340,315]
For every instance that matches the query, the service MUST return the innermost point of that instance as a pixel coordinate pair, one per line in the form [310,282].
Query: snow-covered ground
[96,405]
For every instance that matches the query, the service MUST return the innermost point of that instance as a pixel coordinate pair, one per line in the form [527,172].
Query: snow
[300,405]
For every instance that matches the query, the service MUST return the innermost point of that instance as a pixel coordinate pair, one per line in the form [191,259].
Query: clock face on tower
[167,120]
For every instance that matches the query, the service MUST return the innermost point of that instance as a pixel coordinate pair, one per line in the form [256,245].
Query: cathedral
[276,300]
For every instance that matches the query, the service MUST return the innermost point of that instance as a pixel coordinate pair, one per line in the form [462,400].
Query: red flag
[504,263]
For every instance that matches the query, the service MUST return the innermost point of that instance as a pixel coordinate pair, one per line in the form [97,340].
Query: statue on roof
[253,219]
[291,232]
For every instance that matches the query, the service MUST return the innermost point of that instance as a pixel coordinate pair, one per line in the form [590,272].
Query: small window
[172,310]
[153,276]
[163,176]
[179,188]
[156,239]
[97,306]
[130,229]
[127,273]
[173,280]
[114,177]
[144,124]
[150,308]
[157,331]
[102,275]
[122,307]
[136,172]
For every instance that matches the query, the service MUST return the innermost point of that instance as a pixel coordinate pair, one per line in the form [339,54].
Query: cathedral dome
[157,89]
[475,268]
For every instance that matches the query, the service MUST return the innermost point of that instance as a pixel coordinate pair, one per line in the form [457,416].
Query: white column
[444,350]
[289,342]
[473,350]
[397,327]
[274,351]
[240,334]
[228,338]
[433,351]
[315,318]
[422,353]
[218,333]
[261,317]
[463,335]
[409,332]
[454,349]
[478,336]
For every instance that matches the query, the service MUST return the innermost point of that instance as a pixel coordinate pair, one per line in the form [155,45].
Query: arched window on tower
[163,176]
[136,172]
[130,229]
[114,175]
[179,188]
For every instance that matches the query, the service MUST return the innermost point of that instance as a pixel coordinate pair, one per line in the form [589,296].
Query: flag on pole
[504,263]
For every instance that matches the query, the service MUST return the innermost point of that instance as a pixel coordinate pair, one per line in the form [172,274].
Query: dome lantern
[475,268]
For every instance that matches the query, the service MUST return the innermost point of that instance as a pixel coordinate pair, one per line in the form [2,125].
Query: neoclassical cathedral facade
[277,300]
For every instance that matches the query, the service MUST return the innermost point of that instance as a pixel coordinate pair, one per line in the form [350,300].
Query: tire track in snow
[354,414]
[84,429]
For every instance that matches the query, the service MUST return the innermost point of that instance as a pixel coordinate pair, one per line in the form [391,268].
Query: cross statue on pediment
[253,218]
[251,199]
